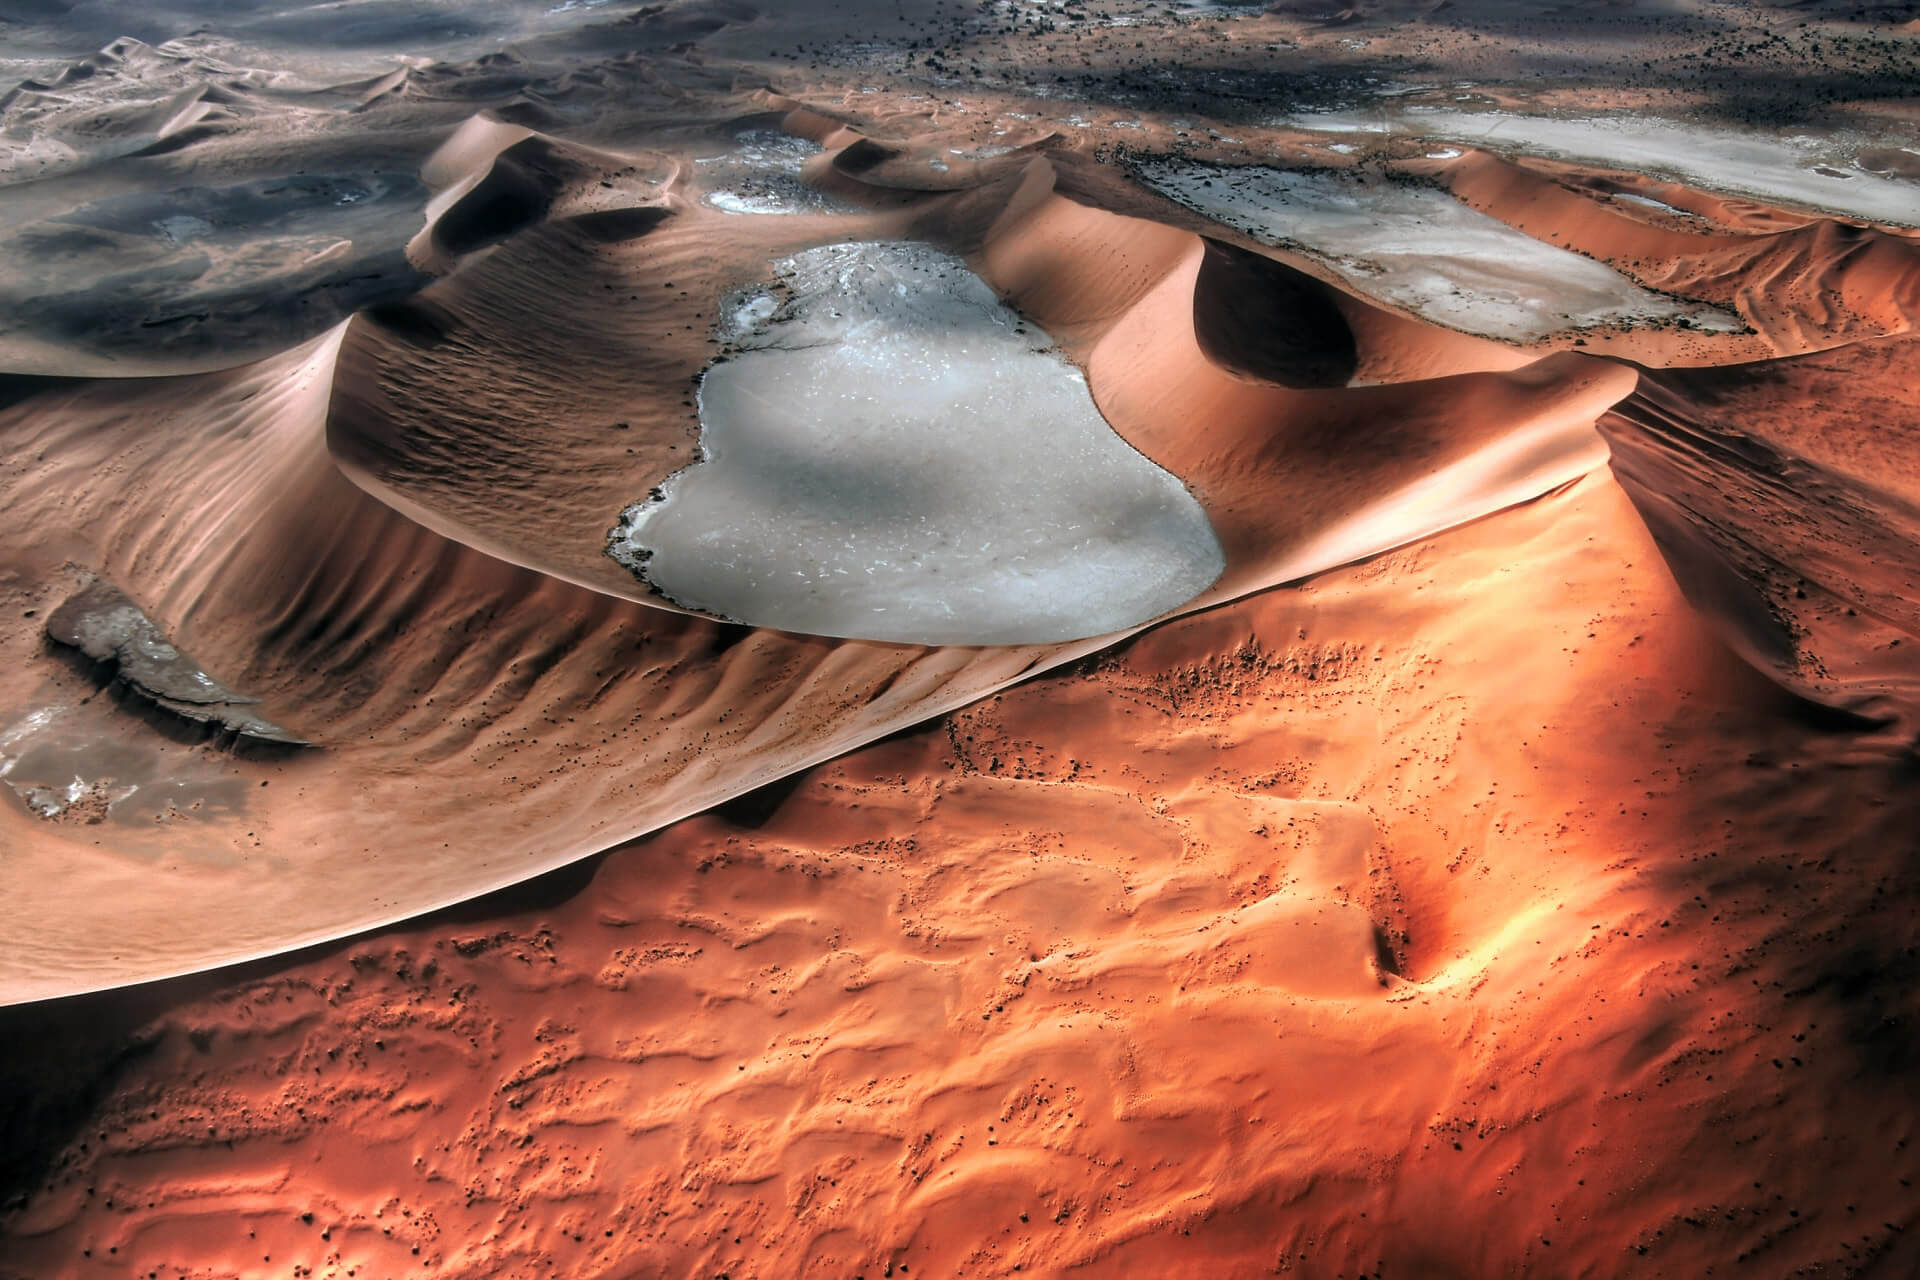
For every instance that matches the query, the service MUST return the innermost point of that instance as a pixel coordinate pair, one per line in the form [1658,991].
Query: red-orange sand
[1507,868]
[1329,933]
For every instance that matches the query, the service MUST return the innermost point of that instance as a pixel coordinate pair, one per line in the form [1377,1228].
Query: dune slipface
[906,639]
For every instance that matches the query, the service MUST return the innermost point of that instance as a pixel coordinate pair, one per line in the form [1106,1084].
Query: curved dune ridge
[1402,767]
[553,362]
[473,637]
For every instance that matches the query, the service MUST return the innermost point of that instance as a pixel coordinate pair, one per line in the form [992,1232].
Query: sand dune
[1811,284]
[1455,824]
[402,630]
[416,399]
[974,998]
[1790,526]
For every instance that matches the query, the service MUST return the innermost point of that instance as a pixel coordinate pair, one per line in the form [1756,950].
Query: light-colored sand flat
[1805,169]
[1421,249]
[895,455]
[760,173]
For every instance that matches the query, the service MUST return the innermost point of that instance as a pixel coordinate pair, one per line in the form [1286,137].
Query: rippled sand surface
[896,640]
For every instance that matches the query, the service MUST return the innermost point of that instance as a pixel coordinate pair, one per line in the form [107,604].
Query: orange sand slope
[327,529]
[394,533]
[1282,938]
[1502,868]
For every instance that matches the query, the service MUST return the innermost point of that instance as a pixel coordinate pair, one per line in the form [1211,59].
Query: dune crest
[410,614]
[1479,845]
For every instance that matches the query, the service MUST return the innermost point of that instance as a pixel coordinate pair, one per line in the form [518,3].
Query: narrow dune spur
[1803,282]
[395,534]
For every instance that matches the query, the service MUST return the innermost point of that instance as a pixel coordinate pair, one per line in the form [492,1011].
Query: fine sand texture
[899,639]
[396,534]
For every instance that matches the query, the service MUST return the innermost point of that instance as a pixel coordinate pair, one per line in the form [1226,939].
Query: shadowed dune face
[517,191]
[1786,517]
[1264,320]
[1364,792]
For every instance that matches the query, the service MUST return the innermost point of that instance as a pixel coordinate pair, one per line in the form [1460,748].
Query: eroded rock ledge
[105,625]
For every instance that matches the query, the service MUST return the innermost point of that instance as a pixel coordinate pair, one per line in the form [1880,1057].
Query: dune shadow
[1264,319]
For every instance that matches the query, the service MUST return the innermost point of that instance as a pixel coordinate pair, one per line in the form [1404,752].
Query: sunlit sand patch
[1421,249]
[897,456]
[1807,170]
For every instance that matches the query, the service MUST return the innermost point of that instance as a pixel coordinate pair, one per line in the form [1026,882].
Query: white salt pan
[761,174]
[897,456]
[1421,249]
[1800,170]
